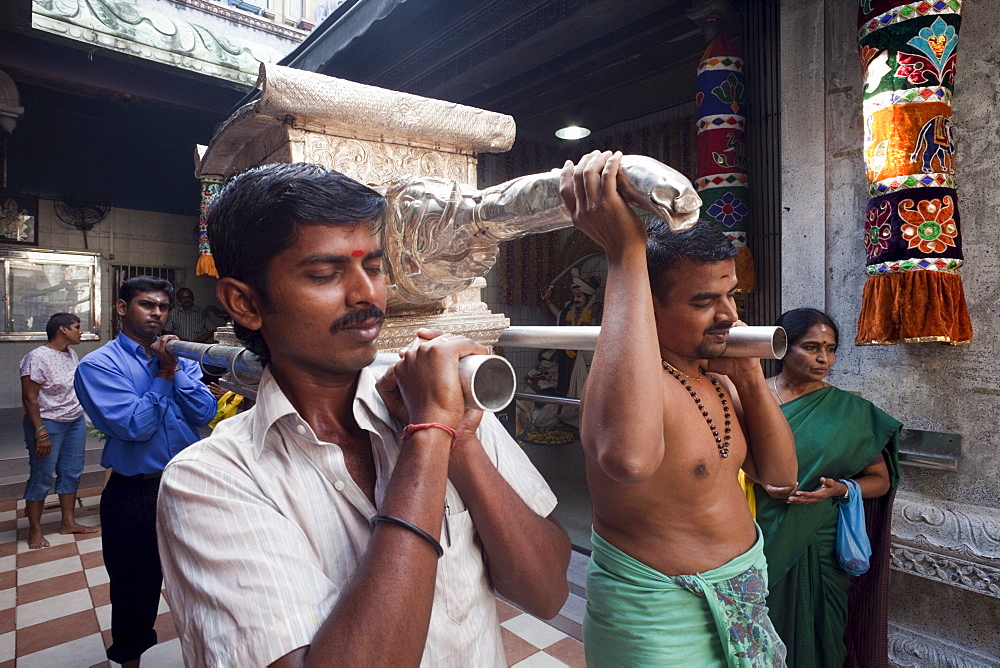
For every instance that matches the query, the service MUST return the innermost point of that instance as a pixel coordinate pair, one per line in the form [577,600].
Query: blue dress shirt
[147,420]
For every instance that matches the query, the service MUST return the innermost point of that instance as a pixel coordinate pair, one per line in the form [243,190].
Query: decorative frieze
[134,30]
[954,543]
[377,163]
[908,648]
[956,572]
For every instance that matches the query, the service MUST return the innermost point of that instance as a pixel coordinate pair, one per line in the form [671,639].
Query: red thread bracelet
[409,430]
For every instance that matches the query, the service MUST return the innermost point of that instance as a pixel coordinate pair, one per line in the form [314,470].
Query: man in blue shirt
[149,404]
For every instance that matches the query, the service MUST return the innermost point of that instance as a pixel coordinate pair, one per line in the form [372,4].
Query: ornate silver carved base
[464,314]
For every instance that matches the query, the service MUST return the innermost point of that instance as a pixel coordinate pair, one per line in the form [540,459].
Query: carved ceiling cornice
[213,7]
[124,28]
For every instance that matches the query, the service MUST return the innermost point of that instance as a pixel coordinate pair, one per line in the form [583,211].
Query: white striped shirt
[261,527]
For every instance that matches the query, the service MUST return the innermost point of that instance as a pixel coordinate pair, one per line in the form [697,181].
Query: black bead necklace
[722,442]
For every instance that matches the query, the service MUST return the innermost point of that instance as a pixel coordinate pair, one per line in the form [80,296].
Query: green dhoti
[637,616]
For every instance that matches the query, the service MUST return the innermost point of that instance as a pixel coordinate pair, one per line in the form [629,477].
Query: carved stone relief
[956,572]
[954,543]
[908,649]
[136,31]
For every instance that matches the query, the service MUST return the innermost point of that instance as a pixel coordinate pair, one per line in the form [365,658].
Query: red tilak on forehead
[358,253]
[725,276]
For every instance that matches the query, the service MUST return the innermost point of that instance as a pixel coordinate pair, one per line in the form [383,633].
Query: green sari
[837,434]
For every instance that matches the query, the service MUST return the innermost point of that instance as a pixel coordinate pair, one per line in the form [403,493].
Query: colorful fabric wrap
[210,187]
[637,616]
[912,236]
[722,167]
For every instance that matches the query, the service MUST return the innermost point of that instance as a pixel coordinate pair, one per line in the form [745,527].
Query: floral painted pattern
[935,62]
[752,638]
[877,229]
[930,224]
[731,92]
[728,210]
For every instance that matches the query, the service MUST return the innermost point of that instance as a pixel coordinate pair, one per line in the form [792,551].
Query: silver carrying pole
[216,359]
[488,380]
[761,342]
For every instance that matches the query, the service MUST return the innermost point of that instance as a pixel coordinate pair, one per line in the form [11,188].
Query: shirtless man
[677,575]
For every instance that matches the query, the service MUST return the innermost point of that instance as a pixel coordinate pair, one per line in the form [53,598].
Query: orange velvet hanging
[914,307]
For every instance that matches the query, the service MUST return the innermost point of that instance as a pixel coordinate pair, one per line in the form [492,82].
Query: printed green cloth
[837,434]
[637,616]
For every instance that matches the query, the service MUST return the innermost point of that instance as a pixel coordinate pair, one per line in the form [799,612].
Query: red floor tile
[56,632]
[516,648]
[62,584]
[45,554]
[92,559]
[8,621]
[101,595]
[506,611]
[164,626]
[569,651]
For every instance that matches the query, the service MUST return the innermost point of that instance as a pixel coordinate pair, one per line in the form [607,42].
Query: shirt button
[300,428]
[339,485]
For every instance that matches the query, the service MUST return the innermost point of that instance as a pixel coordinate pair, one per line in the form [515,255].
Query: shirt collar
[134,348]
[272,405]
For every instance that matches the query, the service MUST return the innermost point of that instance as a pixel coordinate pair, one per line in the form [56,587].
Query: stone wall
[950,609]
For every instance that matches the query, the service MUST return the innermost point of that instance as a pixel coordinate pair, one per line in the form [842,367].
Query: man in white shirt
[344,520]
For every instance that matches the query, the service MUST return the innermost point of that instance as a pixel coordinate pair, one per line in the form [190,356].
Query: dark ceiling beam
[516,38]
[614,61]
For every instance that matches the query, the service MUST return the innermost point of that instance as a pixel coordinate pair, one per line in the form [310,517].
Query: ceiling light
[572,132]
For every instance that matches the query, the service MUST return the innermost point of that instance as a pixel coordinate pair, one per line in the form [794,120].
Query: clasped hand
[424,386]
[734,367]
[159,348]
[589,191]
[828,488]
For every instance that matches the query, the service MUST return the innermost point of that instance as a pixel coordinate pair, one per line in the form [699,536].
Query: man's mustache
[352,318]
[724,327]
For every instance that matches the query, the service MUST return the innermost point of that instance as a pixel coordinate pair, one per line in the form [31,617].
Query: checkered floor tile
[55,608]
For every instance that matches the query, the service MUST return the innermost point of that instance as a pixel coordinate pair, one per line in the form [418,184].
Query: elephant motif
[935,141]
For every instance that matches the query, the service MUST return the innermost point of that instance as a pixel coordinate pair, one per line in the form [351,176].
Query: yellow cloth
[747,486]
[229,404]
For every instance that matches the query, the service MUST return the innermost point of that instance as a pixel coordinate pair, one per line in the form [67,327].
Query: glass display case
[38,283]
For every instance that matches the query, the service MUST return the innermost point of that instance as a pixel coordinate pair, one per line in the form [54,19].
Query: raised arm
[625,438]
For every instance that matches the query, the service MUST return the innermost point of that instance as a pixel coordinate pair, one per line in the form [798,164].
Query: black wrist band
[406,525]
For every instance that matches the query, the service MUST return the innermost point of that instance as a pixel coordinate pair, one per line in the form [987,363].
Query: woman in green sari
[825,616]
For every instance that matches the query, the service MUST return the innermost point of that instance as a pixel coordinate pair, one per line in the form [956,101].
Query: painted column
[210,186]
[722,168]
[912,236]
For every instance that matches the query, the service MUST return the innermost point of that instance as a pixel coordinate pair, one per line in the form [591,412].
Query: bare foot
[76,528]
[36,540]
